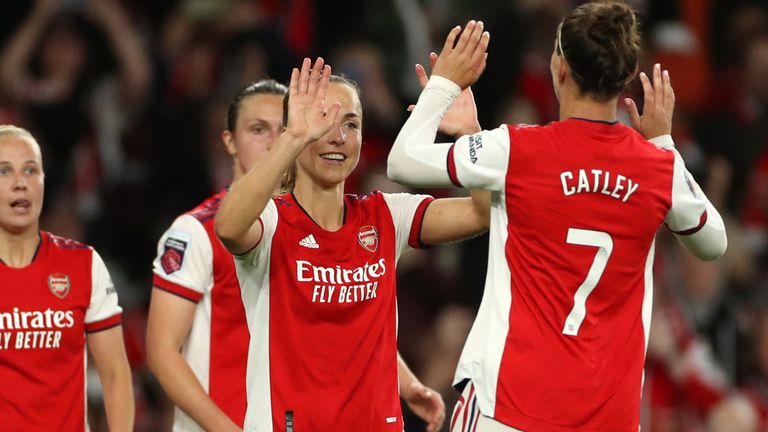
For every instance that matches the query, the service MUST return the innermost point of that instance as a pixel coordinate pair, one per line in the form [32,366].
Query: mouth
[21,205]
[334,157]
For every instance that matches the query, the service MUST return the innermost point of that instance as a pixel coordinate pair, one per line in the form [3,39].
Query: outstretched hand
[658,105]
[463,61]
[308,117]
[461,117]
[427,404]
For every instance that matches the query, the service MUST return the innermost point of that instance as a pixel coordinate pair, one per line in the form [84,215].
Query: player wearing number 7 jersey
[560,337]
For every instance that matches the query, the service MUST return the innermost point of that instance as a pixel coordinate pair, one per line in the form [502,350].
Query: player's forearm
[17,52]
[117,387]
[405,377]
[710,241]
[248,197]
[415,159]
[183,388]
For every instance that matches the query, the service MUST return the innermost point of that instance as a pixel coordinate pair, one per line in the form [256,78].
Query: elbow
[393,171]
[716,251]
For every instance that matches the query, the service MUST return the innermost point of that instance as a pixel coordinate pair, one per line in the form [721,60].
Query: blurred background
[128,99]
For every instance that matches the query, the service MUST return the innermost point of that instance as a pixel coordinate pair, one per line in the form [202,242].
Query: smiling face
[21,184]
[258,125]
[331,159]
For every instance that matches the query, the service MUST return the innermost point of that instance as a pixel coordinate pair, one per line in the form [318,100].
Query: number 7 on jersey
[604,243]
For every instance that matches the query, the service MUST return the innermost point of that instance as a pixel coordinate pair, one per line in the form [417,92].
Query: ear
[563,69]
[633,75]
[229,142]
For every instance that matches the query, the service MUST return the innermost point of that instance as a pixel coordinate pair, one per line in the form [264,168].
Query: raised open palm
[308,117]
[461,117]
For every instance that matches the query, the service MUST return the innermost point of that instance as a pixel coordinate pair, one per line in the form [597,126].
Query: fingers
[634,115]
[658,88]
[481,48]
[322,83]
[304,75]
[451,39]
[293,87]
[669,92]
[463,42]
[421,74]
[315,75]
[432,59]
[475,37]
[647,89]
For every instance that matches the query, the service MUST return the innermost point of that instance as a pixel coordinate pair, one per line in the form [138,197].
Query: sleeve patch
[174,248]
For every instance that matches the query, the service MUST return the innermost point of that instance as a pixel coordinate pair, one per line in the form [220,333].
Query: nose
[19,182]
[337,135]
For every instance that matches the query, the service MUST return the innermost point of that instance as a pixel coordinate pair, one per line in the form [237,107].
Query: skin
[258,126]
[21,201]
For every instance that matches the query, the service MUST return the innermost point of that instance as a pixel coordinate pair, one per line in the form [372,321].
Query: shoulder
[63,243]
[208,209]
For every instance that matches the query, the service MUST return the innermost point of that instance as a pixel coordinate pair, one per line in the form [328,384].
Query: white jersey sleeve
[407,212]
[184,261]
[691,216]
[103,311]
[480,161]
[268,221]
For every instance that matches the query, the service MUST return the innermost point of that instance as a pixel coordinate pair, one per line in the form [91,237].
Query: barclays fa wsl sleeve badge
[368,238]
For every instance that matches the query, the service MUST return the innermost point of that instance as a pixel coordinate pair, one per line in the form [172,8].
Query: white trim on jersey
[698,225]
[647,308]
[103,302]
[195,272]
[481,160]
[253,274]
[480,359]
[402,207]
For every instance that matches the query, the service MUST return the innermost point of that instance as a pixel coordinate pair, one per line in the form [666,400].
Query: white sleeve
[692,217]
[480,161]
[415,159]
[268,221]
[103,311]
[184,261]
[407,212]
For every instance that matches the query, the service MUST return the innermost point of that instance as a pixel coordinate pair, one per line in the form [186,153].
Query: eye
[5,171]
[31,170]
[351,125]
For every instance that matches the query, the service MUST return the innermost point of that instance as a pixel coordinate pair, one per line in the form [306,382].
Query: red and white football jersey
[559,341]
[46,310]
[192,263]
[322,312]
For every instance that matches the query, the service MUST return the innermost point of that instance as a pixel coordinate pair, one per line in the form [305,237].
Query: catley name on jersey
[306,272]
[43,320]
[598,182]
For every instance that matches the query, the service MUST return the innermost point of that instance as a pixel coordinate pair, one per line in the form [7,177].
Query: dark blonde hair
[289,178]
[601,43]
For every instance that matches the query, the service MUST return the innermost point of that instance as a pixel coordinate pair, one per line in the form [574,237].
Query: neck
[17,250]
[324,204]
[572,104]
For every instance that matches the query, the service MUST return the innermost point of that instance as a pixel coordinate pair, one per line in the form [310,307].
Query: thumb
[421,74]
[333,112]
[634,115]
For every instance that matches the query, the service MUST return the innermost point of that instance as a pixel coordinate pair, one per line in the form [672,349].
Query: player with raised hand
[197,336]
[317,267]
[560,337]
[58,299]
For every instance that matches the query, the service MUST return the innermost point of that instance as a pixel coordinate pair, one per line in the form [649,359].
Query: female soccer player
[57,298]
[197,336]
[559,340]
[317,268]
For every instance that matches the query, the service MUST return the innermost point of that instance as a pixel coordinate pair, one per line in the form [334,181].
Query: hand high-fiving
[308,117]
[658,105]
[463,61]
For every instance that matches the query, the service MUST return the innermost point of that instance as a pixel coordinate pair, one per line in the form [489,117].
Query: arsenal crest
[58,283]
[368,238]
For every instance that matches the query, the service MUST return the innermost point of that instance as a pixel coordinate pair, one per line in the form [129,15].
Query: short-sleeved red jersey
[192,263]
[46,309]
[559,341]
[322,312]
